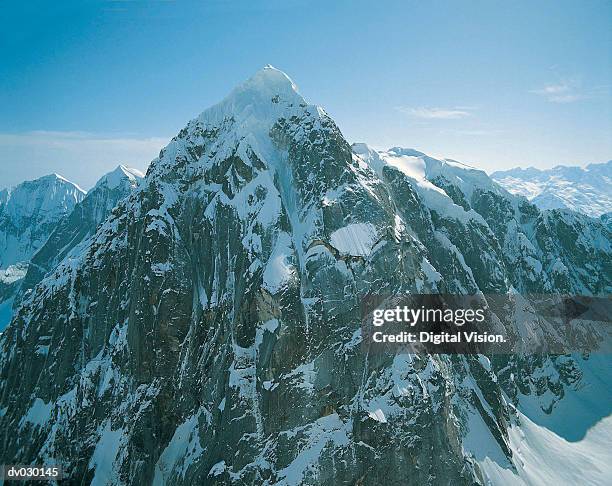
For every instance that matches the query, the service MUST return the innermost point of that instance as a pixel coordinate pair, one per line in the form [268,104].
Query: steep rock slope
[586,190]
[208,333]
[10,282]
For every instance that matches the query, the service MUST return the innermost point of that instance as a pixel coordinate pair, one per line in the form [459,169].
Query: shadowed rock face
[208,333]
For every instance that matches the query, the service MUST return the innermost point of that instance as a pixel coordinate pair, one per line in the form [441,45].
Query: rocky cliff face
[209,332]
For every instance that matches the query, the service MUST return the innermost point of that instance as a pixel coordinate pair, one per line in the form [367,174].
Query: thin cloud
[563,92]
[81,140]
[436,113]
[477,132]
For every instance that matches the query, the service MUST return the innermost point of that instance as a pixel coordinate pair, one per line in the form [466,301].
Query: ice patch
[105,453]
[378,415]
[326,431]
[355,239]
[38,414]
[161,268]
[430,272]
[13,273]
[182,451]
[305,376]
[218,469]
[279,270]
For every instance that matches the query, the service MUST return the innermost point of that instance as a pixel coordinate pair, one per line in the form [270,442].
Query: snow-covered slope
[209,331]
[587,190]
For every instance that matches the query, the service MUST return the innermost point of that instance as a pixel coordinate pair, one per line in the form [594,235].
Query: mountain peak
[29,212]
[120,175]
[51,179]
[270,80]
[409,152]
[265,95]
[361,148]
[586,190]
[129,172]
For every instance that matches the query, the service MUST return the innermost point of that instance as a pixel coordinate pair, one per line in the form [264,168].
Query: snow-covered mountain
[28,214]
[30,211]
[66,227]
[74,230]
[586,190]
[209,331]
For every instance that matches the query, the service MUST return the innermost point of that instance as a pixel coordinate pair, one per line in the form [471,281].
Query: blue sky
[86,85]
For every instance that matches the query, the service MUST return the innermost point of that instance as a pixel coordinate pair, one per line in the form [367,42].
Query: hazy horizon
[83,174]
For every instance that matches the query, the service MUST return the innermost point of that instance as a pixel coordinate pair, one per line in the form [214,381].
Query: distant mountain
[588,190]
[208,332]
[79,225]
[28,214]
[70,225]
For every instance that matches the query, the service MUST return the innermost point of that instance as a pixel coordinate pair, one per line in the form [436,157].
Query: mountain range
[203,327]
[586,190]
[42,221]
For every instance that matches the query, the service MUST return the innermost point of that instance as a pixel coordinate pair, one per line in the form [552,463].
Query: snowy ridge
[28,214]
[68,233]
[72,232]
[465,195]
